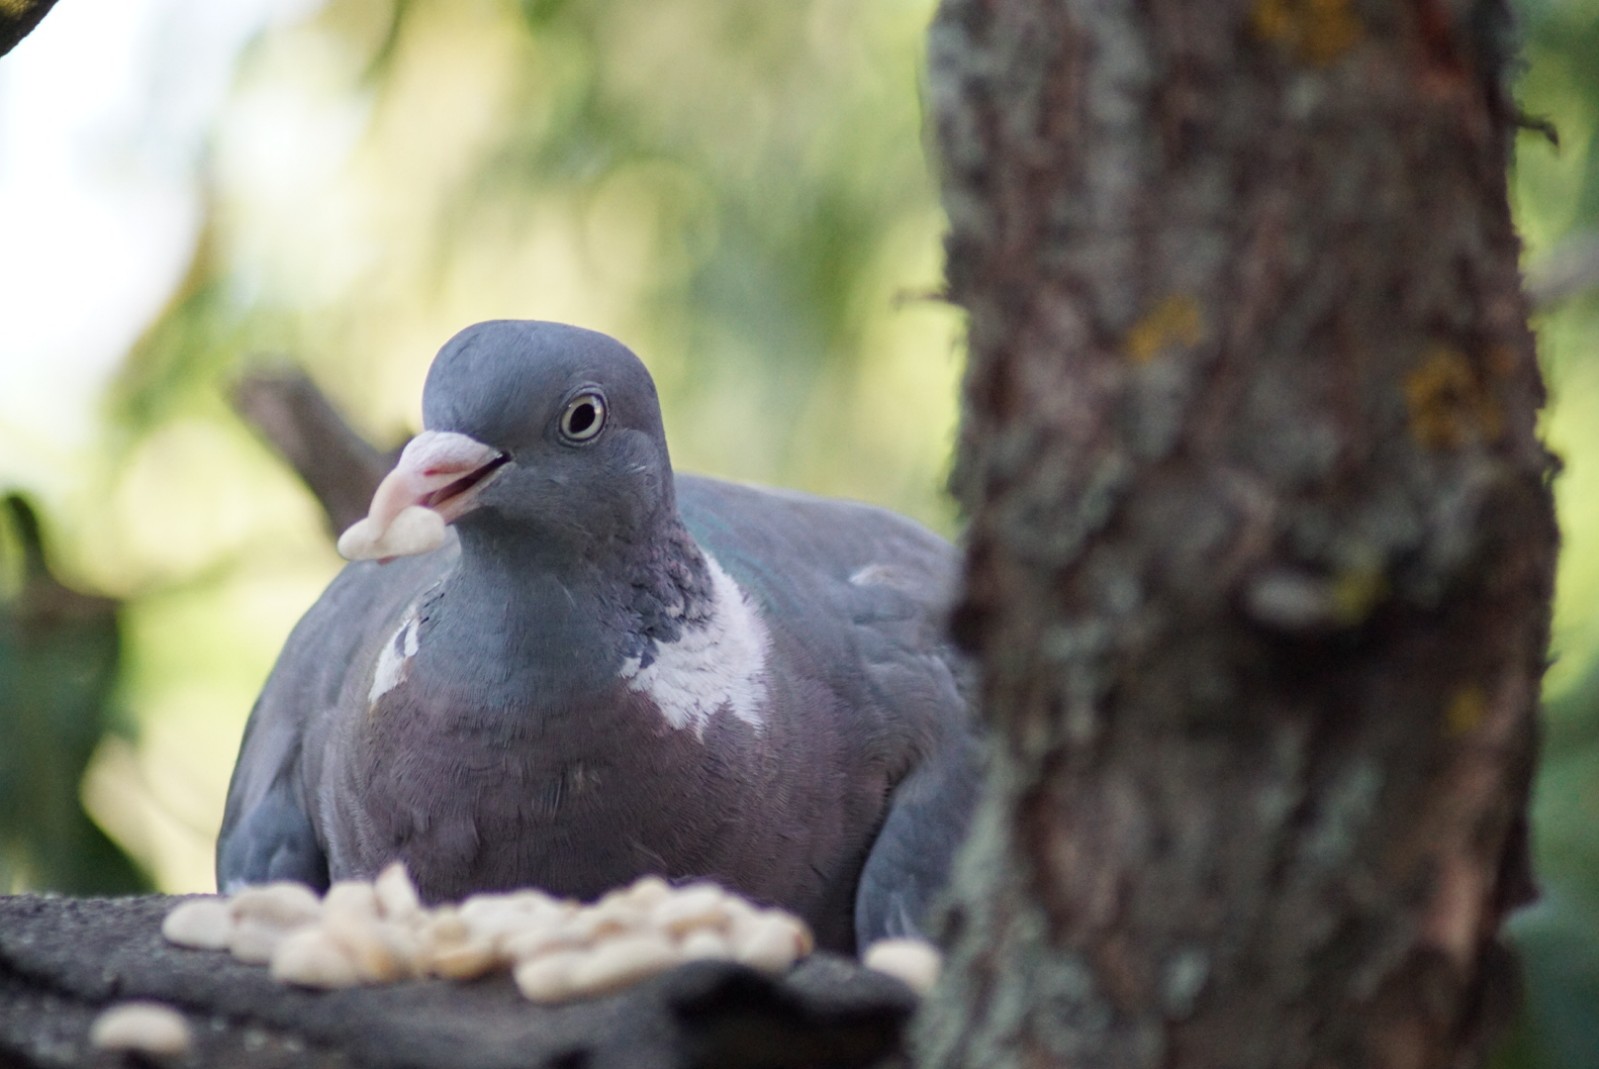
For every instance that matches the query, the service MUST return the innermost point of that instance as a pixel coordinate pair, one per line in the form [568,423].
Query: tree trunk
[1262,542]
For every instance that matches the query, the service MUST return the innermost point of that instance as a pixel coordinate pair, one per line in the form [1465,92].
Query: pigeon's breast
[696,757]
[575,799]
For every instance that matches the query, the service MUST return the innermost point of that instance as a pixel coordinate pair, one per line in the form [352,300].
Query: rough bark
[64,959]
[1261,551]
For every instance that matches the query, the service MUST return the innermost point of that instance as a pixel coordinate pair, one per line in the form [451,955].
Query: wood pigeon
[610,670]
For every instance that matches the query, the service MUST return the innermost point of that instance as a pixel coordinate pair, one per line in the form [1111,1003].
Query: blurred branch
[296,419]
[18,18]
[1568,270]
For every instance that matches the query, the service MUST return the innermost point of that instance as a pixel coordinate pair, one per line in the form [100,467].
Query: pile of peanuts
[557,949]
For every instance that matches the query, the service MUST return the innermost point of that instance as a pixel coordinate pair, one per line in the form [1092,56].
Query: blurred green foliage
[736,190]
[1556,198]
[60,651]
[740,192]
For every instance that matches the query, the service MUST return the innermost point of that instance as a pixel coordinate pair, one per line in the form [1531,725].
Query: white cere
[915,961]
[148,1028]
[415,530]
[555,949]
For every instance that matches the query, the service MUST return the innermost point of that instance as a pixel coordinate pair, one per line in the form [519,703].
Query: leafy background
[740,191]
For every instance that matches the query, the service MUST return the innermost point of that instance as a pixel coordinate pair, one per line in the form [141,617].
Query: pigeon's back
[862,597]
[859,586]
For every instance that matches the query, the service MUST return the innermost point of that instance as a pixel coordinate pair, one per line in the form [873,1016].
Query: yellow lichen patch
[1317,31]
[1447,403]
[1466,711]
[1175,320]
[1356,591]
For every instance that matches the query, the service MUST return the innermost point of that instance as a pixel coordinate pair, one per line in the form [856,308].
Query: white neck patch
[394,662]
[722,662]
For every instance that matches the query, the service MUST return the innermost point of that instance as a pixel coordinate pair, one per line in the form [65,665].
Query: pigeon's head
[539,431]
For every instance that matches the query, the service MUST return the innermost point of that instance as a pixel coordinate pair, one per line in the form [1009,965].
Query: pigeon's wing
[268,832]
[910,861]
[869,591]
[913,672]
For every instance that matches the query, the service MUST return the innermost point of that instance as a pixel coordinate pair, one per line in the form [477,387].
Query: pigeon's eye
[584,417]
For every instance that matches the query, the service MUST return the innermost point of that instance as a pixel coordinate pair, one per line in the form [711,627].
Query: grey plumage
[613,671]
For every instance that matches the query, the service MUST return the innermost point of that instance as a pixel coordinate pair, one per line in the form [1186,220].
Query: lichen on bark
[1261,546]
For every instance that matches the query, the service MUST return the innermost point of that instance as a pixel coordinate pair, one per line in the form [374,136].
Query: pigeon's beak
[437,481]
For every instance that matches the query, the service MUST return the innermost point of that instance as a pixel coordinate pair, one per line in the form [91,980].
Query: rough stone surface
[62,960]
